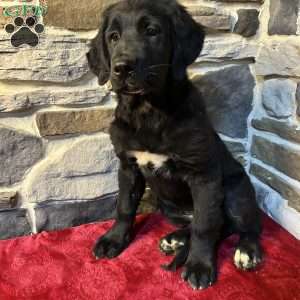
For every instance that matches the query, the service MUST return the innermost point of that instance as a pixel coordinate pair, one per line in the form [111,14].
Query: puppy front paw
[199,275]
[110,246]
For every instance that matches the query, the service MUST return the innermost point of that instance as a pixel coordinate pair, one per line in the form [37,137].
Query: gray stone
[281,128]
[69,14]
[298,99]
[218,49]
[279,97]
[215,22]
[283,19]
[276,207]
[13,223]
[247,23]
[56,59]
[16,101]
[82,170]
[210,17]
[279,58]
[54,123]
[228,94]
[54,215]
[199,10]
[8,200]
[279,156]
[18,153]
[279,184]
[259,1]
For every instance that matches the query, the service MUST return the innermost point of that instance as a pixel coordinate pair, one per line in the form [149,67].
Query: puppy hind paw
[246,259]
[169,246]
[179,259]
[173,241]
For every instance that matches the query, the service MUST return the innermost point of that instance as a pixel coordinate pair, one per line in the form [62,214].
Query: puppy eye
[152,31]
[114,37]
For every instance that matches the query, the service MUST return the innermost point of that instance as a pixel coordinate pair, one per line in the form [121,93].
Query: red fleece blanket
[59,266]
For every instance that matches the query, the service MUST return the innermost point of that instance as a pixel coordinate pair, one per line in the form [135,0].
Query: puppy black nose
[123,68]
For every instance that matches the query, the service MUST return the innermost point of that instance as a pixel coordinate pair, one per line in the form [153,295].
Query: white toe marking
[245,260]
[173,245]
[241,259]
[237,257]
[165,245]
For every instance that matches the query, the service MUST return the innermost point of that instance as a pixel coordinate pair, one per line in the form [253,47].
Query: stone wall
[57,166]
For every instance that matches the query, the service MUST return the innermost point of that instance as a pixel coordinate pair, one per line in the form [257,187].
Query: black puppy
[162,136]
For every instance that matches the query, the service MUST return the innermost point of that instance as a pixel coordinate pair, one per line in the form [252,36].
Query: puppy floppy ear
[188,39]
[98,56]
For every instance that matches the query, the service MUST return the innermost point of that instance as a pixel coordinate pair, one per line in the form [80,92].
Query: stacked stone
[275,148]
[57,165]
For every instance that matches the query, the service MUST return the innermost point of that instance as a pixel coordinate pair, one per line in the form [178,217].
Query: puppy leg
[200,267]
[244,216]
[131,190]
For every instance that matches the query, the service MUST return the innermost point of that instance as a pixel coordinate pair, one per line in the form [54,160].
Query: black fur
[144,47]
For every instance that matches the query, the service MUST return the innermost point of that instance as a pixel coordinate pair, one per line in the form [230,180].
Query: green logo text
[25,10]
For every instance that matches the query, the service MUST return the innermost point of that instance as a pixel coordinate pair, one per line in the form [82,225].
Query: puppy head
[142,43]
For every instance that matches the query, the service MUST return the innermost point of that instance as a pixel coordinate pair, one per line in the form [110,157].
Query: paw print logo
[24,31]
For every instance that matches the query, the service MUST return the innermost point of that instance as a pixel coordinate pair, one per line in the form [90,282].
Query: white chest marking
[144,158]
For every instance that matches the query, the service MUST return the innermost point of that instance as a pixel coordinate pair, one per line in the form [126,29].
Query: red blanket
[59,266]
